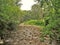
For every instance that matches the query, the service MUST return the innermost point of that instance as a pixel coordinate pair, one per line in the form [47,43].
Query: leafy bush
[9,15]
[35,22]
[53,27]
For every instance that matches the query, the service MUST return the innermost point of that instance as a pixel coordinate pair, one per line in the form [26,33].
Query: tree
[36,11]
[9,15]
[53,16]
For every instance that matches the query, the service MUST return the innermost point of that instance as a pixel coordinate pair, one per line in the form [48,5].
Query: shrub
[9,15]
[35,22]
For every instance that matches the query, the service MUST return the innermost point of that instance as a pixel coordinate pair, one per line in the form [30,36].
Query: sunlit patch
[27,4]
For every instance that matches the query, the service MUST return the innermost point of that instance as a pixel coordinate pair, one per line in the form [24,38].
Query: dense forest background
[46,14]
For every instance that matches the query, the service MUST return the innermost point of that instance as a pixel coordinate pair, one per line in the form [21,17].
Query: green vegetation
[9,15]
[46,13]
[35,22]
[50,12]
